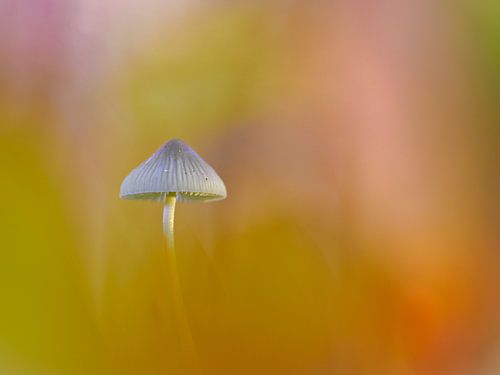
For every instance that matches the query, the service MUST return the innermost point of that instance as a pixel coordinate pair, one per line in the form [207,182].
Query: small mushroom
[173,172]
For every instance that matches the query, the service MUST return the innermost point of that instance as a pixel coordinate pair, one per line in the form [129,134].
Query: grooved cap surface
[173,168]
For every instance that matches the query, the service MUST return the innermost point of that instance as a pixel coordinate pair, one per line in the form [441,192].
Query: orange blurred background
[358,141]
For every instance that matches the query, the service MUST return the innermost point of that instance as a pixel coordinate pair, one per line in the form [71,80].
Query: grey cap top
[173,168]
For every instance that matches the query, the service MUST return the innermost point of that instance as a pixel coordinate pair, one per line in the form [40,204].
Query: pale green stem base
[178,302]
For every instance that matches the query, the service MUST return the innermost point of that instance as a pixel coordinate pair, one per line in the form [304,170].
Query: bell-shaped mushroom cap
[174,168]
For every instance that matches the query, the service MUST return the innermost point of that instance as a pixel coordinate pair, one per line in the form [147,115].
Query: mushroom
[174,172]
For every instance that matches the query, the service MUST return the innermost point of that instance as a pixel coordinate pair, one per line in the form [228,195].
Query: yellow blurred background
[358,141]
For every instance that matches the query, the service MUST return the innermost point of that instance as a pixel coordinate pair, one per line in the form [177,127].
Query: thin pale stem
[178,302]
[168,221]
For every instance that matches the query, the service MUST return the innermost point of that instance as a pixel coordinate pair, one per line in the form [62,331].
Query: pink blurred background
[358,141]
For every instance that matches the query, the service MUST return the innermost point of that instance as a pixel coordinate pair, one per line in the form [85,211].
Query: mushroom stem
[176,292]
[168,220]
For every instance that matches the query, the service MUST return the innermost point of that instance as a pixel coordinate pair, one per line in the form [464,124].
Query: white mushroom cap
[174,168]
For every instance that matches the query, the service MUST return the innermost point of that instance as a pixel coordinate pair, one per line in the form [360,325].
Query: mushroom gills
[190,195]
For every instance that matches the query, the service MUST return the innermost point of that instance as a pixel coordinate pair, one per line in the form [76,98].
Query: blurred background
[358,141]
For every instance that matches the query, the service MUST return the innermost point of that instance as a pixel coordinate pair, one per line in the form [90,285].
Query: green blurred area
[219,69]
